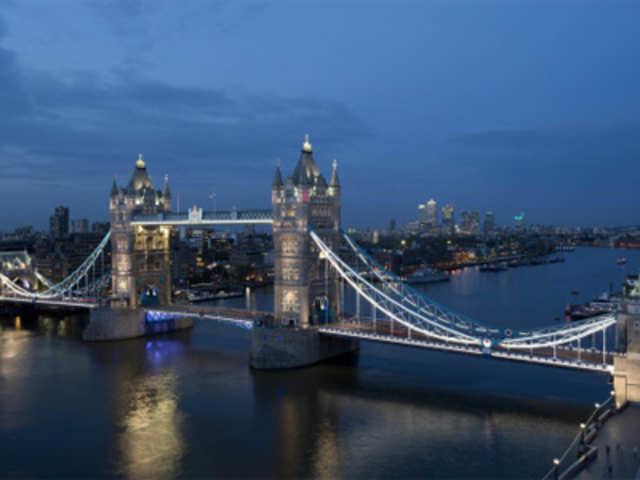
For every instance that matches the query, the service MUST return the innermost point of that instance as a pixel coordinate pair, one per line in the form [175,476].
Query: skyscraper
[448,219]
[422,215]
[465,222]
[489,223]
[428,215]
[81,225]
[432,213]
[475,222]
[59,222]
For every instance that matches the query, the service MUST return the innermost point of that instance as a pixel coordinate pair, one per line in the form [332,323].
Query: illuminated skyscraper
[428,215]
[432,213]
[422,215]
[448,219]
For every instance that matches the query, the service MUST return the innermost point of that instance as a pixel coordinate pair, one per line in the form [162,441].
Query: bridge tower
[140,263]
[626,379]
[306,290]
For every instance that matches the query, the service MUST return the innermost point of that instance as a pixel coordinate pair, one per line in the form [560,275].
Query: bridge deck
[591,360]
[54,303]
[237,316]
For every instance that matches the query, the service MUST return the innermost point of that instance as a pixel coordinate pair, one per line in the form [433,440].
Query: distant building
[489,224]
[518,222]
[448,219]
[81,225]
[100,227]
[422,214]
[465,222]
[470,222]
[475,222]
[59,222]
[428,215]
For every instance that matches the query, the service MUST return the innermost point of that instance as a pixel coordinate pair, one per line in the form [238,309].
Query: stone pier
[278,348]
[121,324]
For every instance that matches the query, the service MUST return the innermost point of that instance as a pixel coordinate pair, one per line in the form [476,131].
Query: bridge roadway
[589,359]
[66,303]
[237,316]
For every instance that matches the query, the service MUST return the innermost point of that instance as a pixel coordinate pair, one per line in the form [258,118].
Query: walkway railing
[580,451]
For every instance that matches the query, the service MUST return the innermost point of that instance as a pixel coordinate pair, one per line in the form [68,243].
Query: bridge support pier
[120,324]
[279,348]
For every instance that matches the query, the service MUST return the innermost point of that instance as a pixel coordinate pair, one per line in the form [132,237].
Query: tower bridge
[309,322]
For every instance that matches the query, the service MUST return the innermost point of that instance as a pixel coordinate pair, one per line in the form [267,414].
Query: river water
[187,405]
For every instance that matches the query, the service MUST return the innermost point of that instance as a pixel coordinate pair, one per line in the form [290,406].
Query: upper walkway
[196,216]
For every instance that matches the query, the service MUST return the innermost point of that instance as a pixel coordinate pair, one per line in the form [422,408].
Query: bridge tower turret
[306,290]
[140,263]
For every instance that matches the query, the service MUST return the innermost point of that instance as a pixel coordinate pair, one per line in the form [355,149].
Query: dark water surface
[187,405]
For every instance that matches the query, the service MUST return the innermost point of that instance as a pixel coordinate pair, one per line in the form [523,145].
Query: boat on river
[425,275]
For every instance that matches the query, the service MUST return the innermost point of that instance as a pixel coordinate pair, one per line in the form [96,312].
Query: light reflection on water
[187,405]
[151,442]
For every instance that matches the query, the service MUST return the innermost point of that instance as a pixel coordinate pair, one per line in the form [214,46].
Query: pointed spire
[114,188]
[166,193]
[140,163]
[277,177]
[306,146]
[335,181]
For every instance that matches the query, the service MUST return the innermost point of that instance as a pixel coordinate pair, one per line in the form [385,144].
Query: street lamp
[556,462]
[583,427]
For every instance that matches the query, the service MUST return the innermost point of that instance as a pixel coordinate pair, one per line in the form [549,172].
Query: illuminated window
[290,273]
[289,246]
[290,302]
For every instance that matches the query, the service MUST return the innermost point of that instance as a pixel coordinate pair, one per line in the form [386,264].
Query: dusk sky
[508,106]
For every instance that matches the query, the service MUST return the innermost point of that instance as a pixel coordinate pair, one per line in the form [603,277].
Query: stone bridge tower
[140,263]
[306,290]
[626,379]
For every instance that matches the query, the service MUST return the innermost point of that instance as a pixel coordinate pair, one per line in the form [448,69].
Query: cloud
[83,124]
[584,137]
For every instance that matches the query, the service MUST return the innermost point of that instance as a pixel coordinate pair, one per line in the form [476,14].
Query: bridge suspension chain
[66,285]
[391,307]
[490,337]
[425,304]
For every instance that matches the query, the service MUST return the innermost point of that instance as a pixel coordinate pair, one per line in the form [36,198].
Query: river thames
[187,404]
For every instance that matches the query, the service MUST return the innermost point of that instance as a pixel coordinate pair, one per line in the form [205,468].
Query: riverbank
[606,445]
[618,447]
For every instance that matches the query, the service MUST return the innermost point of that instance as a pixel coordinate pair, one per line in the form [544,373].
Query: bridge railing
[580,451]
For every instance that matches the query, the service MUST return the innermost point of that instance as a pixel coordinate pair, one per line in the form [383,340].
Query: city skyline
[84,95]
